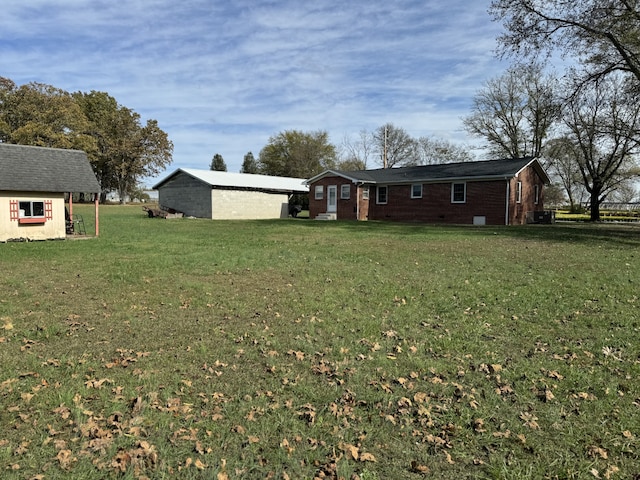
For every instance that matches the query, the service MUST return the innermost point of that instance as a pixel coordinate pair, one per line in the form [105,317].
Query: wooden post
[97,197]
[71,206]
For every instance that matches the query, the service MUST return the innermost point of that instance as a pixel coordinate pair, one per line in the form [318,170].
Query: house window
[382,194]
[319,192]
[416,190]
[458,192]
[365,192]
[537,194]
[519,192]
[345,192]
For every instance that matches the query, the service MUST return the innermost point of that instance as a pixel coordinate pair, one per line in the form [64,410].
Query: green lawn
[301,349]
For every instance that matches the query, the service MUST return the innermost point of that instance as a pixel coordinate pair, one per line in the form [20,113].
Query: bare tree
[515,112]
[395,147]
[603,35]
[603,120]
[357,152]
[561,160]
[437,150]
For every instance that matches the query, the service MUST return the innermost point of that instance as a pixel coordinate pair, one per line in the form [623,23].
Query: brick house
[493,192]
[33,184]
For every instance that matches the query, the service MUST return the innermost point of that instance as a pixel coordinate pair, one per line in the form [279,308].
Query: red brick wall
[483,198]
[346,209]
[518,211]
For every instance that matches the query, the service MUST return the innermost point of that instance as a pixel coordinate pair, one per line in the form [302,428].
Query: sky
[223,76]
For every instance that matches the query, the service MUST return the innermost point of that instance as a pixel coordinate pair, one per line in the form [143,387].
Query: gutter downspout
[358,192]
[506,215]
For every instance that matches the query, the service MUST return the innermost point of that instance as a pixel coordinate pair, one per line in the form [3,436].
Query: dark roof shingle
[446,172]
[464,170]
[40,169]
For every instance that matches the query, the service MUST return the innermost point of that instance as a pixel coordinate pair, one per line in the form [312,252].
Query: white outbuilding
[227,196]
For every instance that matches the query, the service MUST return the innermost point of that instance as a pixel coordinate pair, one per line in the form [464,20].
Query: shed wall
[51,229]
[186,194]
[229,204]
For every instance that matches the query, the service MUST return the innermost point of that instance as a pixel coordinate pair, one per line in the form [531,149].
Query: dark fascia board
[334,173]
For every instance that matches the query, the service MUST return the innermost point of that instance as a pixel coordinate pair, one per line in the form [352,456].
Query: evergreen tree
[217,163]
[249,165]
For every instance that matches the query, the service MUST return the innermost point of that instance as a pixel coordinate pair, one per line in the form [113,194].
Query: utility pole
[384,149]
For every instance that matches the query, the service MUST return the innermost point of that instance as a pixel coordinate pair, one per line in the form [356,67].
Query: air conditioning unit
[541,216]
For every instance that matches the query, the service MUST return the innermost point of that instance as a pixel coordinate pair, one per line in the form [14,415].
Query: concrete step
[327,216]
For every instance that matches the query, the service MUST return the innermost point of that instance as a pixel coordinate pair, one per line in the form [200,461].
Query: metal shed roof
[242,180]
[39,169]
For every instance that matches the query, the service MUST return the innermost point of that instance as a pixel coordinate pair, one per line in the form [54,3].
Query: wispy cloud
[221,77]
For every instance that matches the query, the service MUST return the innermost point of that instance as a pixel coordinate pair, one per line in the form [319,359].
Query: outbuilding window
[382,193]
[27,211]
[416,190]
[345,192]
[537,194]
[319,192]
[365,192]
[519,192]
[458,192]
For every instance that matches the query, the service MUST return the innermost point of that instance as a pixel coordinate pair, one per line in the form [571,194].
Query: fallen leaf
[610,471]
[595,451]
[367,457]
[353,452]
[65,457]
[417,468]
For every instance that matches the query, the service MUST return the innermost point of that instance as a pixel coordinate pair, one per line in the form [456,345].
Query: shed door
[332,198]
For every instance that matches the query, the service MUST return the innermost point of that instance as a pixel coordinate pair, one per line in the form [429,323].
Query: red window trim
[14,211]
[32,220]
[48,209]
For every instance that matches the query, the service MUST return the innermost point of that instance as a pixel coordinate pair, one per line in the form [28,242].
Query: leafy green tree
[249,164]
[217,163]
[126,150]
[120,148]
[350,164]
[293,153]
[42,115]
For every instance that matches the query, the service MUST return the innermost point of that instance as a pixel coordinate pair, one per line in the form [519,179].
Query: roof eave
[335,173]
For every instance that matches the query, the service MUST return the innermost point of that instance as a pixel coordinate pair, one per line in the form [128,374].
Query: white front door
[332,198]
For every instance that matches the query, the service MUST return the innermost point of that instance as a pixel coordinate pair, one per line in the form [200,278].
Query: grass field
[298,349]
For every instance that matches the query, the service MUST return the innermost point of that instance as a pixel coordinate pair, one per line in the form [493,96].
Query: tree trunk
[595,204]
